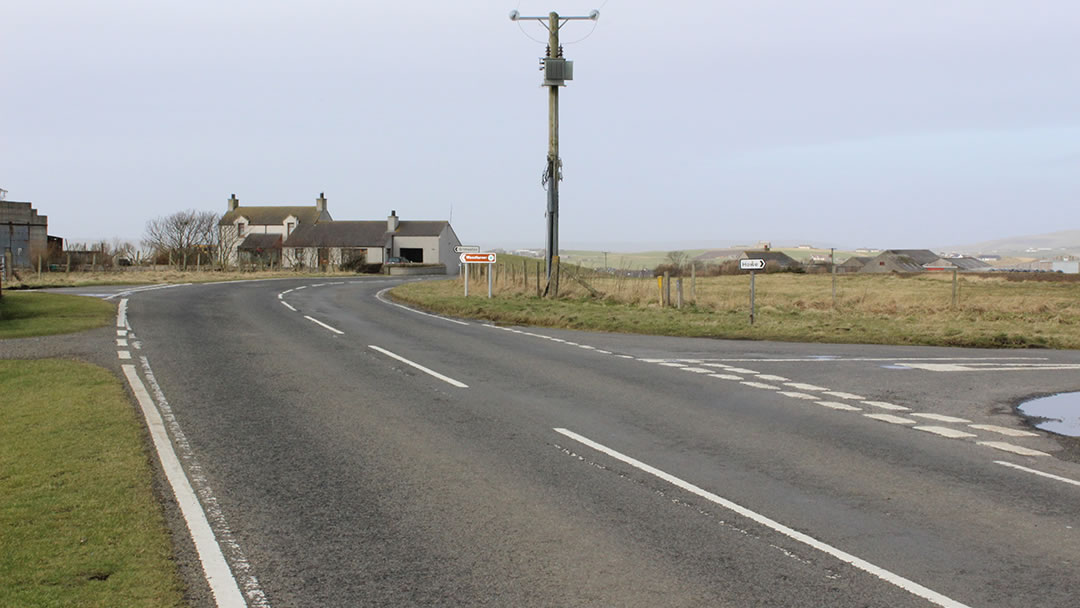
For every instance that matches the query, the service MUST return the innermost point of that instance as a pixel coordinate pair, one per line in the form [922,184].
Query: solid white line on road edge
[121,313]
[1008,447]
[336,331]
[1040,473]
[287,305]
[218,575]
[436,374]
[380,297]
[885,575]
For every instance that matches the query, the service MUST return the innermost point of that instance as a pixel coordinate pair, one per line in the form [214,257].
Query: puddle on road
[1059,414]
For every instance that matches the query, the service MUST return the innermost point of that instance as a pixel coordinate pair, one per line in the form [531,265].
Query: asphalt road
[527,467]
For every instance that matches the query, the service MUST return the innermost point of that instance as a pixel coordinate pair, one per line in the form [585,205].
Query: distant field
[139,276]
[651,259]
[992,311]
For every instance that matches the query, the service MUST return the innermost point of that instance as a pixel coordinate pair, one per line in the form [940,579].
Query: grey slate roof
[922,256]
[265,216]
[779,257]
[358,233]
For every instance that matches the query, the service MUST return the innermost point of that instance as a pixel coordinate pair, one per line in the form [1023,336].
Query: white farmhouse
[256,232]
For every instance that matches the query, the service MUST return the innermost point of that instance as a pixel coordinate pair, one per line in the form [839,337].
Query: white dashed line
[739,370]
[805,387]
[891,419]
[718,365]
[427,371]
[843,395]
[603,352]
[794,395]
[1008,447]
[944,431]
[885,575]
[941,418]
[121,332]
[1040,473]
[124,354]
[585,346]
[625,356]
[299,288]
[336,331]
[287,305]
[885,405]
[1003,430]
[761,385]
[697,370]
[772,378]
[121,342]
[725,376]
[669,364]
[836,405]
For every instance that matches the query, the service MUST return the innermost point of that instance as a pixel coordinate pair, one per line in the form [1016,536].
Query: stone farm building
[919,260]
[307,237]
[23,233]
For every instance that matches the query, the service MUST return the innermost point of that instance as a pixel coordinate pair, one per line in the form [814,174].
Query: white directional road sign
[467,249]
[751,264]
[477,258]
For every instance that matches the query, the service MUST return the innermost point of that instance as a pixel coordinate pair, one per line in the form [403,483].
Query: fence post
[555,292]
[667,289]
[693,283]
[678,290]
[955,288]
[490,275]
[751,297]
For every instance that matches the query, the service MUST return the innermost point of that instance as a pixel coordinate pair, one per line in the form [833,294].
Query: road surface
[348,451]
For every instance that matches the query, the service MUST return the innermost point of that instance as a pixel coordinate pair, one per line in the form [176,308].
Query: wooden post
[678,291]
[693,283]
[955,289]
[667,289]
[555,277]
[538,279]
[524,275]
[490,275]
[751,297]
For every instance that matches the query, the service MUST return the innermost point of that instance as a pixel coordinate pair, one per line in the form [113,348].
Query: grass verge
[42,314]
[141,276]
[79,523]
[992,313]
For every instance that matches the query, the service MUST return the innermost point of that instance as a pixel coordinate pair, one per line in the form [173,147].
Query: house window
[240,229]
[288,228]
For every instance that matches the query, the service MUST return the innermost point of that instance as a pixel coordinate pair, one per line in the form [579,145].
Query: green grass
[42,314]
[870,309]
[79,524]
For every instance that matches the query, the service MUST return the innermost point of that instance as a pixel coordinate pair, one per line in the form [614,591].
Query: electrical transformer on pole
[557,71]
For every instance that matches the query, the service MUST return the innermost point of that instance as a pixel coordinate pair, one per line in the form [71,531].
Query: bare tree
[184,234]
[677,259]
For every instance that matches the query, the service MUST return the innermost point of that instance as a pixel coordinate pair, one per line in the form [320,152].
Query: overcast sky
[903,123]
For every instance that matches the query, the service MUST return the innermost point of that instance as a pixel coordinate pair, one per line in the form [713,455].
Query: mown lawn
[875,309]
[24,314]
[79,524]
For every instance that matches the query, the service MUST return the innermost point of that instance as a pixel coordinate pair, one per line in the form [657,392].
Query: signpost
[752,264]
[477,257]
[466,249]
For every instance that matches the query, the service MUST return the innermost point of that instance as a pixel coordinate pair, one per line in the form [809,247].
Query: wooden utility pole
[556,72]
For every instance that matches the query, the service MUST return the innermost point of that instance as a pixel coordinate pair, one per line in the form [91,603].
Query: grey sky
[848,123]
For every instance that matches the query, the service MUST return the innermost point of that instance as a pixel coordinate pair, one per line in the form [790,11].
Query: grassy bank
[78,521]
[42,314]
[873,309]
[143,276]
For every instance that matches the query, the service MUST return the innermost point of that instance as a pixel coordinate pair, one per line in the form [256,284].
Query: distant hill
[1065,241]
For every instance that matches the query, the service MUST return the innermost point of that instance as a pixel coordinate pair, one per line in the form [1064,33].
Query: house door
[413,254]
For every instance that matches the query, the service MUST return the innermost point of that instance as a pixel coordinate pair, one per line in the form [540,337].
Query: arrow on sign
[467,249]
[477,258]
[751,264]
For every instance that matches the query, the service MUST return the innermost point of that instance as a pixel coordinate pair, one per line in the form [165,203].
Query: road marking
[336,331]
[586,347]
[121,313]
[805,387]
[795,395]
[985,367]
[761,385]
[1003,430]
[739,370]
[218,575]
[1040,473]
[121,332]
[432,373]
[944,431]
[382,298]
[625,356]
[280,296]
[697,370]
[572,343]
[1008,447]
[121,342]
[844,359]
[885,575]
[941,418]
[603,352]
[891,419]
[719,365]
[670,364]
[843,395]
[885,405]
[299,288]
[772,378]
[124,354]
[836,405]
[725,376]
[287,305]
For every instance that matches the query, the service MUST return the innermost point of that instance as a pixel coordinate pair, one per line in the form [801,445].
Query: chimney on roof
[233,203]
[320,203]
[392,221]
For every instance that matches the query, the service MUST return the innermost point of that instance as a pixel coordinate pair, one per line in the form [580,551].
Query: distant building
[853,264]
[773,259]
[900,260]
[963,263]
[23,233]
[261,229]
